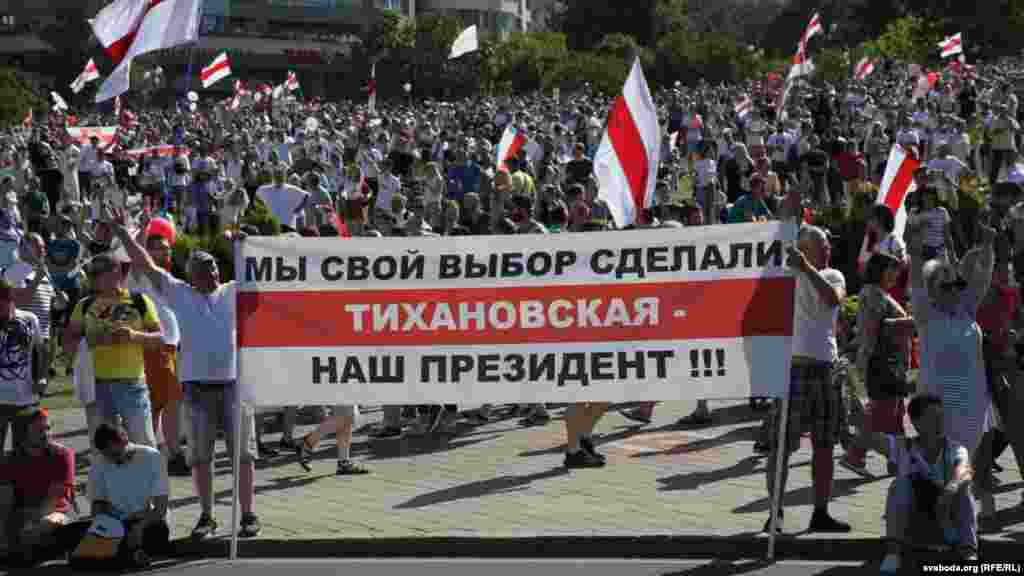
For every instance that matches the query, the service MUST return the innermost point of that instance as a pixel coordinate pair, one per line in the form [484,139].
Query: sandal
[305,453]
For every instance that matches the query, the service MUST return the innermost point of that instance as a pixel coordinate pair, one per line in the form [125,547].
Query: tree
[586,22]
[911,39]
[523,61]
[624,47]
[17,97]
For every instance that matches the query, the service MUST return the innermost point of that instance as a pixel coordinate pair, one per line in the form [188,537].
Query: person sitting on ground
[932,492]
[128,484]
[36,490]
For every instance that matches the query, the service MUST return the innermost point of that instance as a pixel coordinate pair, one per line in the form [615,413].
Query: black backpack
[138,302]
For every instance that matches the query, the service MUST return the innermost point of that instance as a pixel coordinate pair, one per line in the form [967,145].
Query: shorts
[213,404]
[129,401]
[162,377]
[815,405]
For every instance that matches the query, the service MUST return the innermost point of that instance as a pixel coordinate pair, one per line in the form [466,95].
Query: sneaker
[205,527]
[476,418]
[250,525]
[695,420]
[178,466]
[289,444]
[582,459]
[389,433]
[266,451]
[858,468]
[968,554]
[822,522]
[536,418]
[587,444]
[636,415]
[349,468]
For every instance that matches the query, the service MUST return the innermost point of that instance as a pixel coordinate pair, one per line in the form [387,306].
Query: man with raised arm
[205,310]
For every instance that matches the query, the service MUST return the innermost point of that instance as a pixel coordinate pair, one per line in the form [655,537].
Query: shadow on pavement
[481,488]
[730,568]
[694,480]
[805,495]
[736,435]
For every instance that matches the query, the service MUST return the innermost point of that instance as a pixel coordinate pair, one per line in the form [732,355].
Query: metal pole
[237,455]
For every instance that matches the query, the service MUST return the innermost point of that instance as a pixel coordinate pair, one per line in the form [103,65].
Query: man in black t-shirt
[579,169]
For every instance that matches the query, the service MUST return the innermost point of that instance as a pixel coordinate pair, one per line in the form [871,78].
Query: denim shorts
[129,401]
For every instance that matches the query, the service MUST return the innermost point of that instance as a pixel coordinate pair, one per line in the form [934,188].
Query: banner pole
[781,444]
[237,454]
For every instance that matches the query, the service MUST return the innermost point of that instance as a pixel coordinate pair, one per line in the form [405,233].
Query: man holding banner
[815,402]
[205,311]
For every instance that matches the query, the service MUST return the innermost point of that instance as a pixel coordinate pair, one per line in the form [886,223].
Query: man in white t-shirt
[387,186]
[814,401]
[285,201]
[205,310]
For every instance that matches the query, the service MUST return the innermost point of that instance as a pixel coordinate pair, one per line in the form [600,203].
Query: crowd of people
[88,277]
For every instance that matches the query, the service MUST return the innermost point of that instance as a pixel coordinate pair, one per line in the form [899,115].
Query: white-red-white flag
[897,182]
[89,74]
[864,68]
[129,28]
[292,83]
[952,45]
[813,28]
[626,162]
[218,70]
[512,141]
[744,107]
[371,88]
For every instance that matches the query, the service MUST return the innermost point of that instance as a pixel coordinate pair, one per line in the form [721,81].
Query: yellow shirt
[120,361]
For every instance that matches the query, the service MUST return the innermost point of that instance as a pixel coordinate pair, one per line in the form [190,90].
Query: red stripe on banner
[630,150]
[120,47]
[901,183]
[686,311]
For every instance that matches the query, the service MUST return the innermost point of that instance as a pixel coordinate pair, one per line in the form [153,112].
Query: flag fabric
[864,68]
[130,28]
[626,162]
[925,82]
[897,183]
[466,42]
[292,83]
[512,141]
[89,74]
[58,103]
[27,122]
[371,88]
[960,67]
[802,64]
[744,107]
[813,28]
[218,70]
[952,45]
[278,91]
[117,107]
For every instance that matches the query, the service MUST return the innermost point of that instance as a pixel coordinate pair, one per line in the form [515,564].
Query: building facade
[319,39]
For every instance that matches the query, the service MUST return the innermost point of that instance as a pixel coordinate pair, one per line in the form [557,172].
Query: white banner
[639,315]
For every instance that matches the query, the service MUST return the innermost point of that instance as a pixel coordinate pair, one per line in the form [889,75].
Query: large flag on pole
[218,70]
[626,162]
[897,182]
[89,74]
[465,43]
[292,83]
[802,64]
[952,45]
[129,28]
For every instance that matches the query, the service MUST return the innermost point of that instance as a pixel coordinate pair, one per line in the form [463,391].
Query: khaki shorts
[162,377]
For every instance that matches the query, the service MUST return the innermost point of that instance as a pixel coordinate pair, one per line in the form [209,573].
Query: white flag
[58,103]
[465,43]
[952,45]
[130,28]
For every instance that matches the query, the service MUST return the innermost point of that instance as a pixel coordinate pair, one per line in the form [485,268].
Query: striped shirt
[40,305]
[935,222]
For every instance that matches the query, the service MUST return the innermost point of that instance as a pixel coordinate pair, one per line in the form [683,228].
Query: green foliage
[17,97]
[911,39]
[832,65]
[605,73]
[522,62]
[259,215]
[391,31]
[219,246]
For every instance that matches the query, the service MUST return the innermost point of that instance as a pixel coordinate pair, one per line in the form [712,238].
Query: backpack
[138,302]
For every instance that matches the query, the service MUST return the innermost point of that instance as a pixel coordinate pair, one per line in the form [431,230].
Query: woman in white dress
[945,303]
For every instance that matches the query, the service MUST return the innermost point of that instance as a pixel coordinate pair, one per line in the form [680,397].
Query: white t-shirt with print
[282,201]
[16,344]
